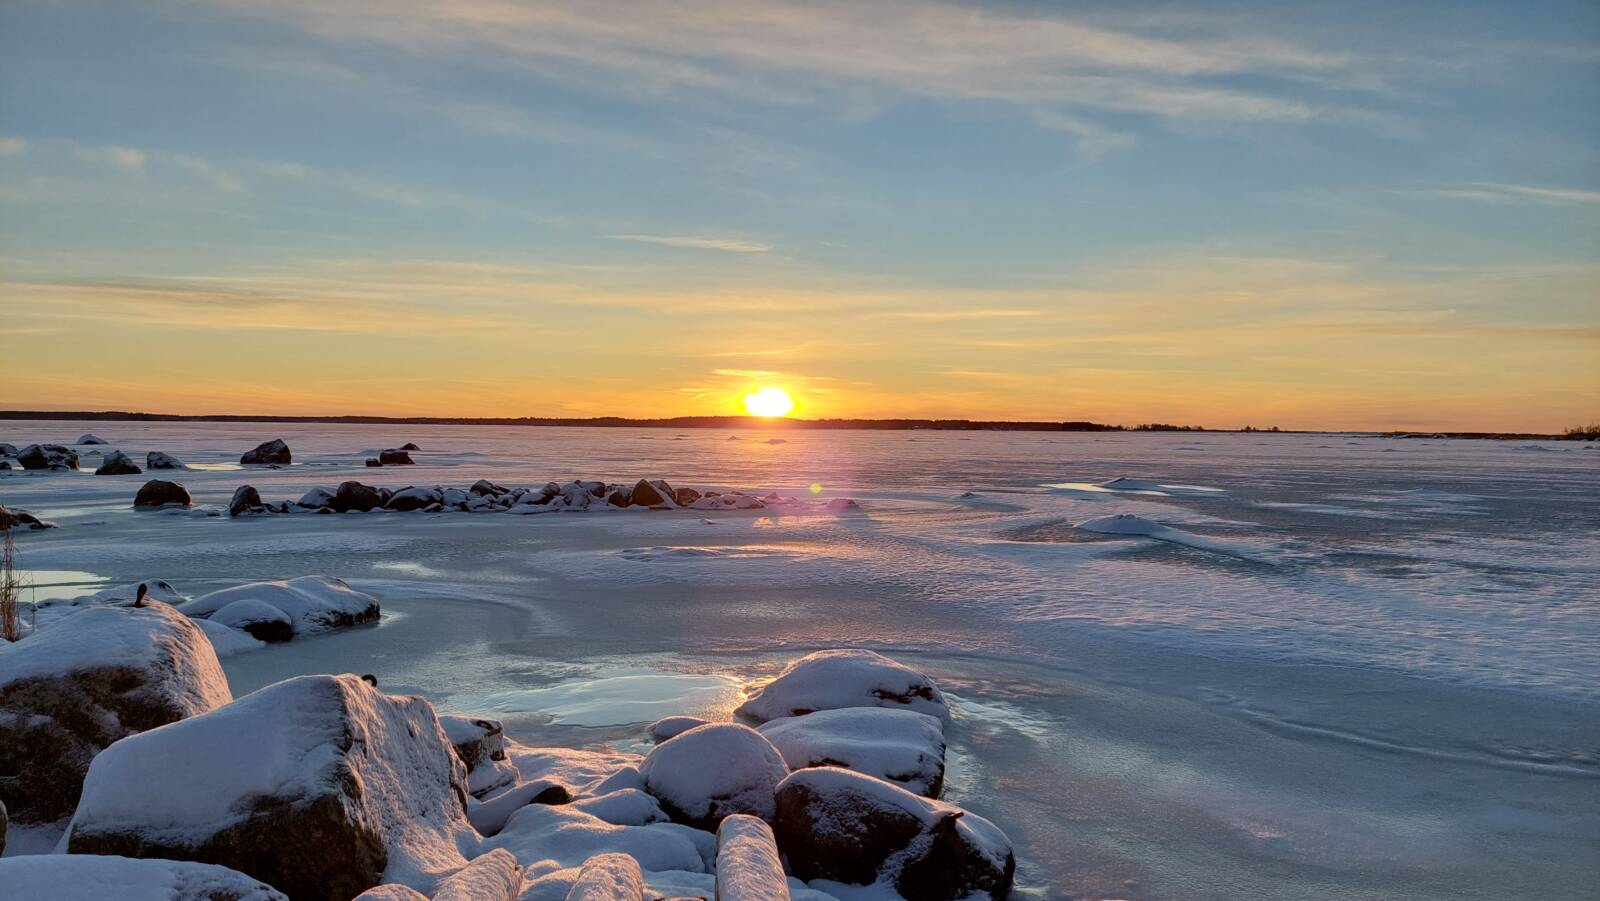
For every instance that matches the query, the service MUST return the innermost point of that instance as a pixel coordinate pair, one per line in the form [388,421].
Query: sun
[768,401]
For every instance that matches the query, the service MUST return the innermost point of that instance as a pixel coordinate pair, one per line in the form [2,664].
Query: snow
[623,807]
[844,678]
[489,816]
[608,877]
[494,876]
[902,746]
[748,868]
[546,838]
[311,603]
[87,438]
[227,641]
[669,726]
[87,877]
[713,770]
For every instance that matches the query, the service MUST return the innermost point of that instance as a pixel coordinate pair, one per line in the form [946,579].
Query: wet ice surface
[1367,668]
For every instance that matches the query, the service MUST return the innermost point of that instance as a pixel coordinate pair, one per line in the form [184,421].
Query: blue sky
[1354,214]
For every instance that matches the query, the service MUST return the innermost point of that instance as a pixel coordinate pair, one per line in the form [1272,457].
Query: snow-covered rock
[624,807]
[414,498]
[481,745]
[50,610]
[159,493]
[316,499]
[269,452]
[117,463]
[259,619]
[91,678]
[848,827]
[827,680]
[322,786]
[391,891]
[310,604]
[748,867]
[712,771]
[670,726]
[48,456]
[902,746]
[90,439]
[487,488]
[489,816]
[546,837]
[394,457]
[14,517]
[160,460]
[227,641]
[246,499]
[608,877]
[356,496]
[83,877]
[842,504]
[495,876]
[732,501]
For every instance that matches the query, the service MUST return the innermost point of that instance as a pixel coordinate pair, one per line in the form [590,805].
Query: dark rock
[394,458]
[356,496]
[48,456]
[4,822]
[409,446]
[90,439]
[274,451]
[156,493]
[620,497]
[245,500]
[414,498]
[7,450]
[117,463]
[645,494]
[159,460]
[685,496]
[487,488]
[14,517]
[373,461]
[5,464]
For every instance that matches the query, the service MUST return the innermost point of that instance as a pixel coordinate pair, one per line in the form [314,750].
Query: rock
[841,504]
[316,499]
[311,603]
[157,493]
[5,823]
[490,816]
[374,462]
[17,518]
[828,680]
[748,867]
[620,497]
[685,496]
[245,500]
[654,493]
[48,456]
[7,450]
[90,439]
[548,837]
[78,877]
[322,786]
[159,460]
[609,877]
[391,891]
[394,457]
[486,488]
[495,876]
[274,451]
[413,498]
[96,675]
[481,745]
[259,619]
[454,498]
[670,726]
[356,496]
[902,746]
[712,771]
[410,446]
[117,463]
[848,827]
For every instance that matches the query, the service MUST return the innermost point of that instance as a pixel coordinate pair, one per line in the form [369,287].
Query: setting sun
[768,401]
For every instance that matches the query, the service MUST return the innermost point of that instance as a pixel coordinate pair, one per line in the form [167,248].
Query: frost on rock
[91,678]
[828,680]
[712,771]
[848,827]
[748,866]
[318,785]
[82,877]
[310,604]
[902,746]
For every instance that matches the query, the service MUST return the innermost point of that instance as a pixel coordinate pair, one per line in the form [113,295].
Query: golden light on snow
[768,401]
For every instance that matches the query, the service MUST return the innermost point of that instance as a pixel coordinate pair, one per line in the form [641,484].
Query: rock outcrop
[116,463]
[158,493]
[270,452]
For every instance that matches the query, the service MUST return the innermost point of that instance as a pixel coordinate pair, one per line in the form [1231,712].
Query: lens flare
[768,401]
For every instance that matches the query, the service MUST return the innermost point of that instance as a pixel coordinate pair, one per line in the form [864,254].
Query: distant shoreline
[749,422]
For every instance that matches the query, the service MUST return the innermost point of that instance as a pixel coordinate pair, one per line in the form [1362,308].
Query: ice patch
[638,696]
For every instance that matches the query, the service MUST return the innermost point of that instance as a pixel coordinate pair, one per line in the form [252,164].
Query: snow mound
[83,877]
[545,838]
[608,877]
[712,771]
[624,807]
[670,726]
[310,603]
[495,876]
[827,680]
[902,746]
[1123,524]
[319,785]
[748,867]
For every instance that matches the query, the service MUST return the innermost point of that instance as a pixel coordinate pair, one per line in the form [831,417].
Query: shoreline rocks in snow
[54,457]
[280,610]
[268,453]
[845,678]
[712,771]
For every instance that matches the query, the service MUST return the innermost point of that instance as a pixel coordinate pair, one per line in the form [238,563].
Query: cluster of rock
[324,787]
[55,457]
[400,456]
[61,458]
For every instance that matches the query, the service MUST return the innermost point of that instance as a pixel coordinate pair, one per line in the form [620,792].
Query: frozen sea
[1347,667]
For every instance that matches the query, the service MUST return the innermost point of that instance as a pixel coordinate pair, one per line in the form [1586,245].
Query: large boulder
[748,866]
[392,457]
[845,826]
[322,786]
[271,452]
[159,460]
[158,493]
[7,450]
[48,456]
[83,877]
[356,496]
[712,771]
[246,499]
[309,603]
[413,498]
[316,499]
[828,680]
[92,677]
[117,463]
[651,493]
[902,746]
[255,617]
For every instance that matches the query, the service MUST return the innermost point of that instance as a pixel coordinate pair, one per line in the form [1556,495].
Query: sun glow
[768,401]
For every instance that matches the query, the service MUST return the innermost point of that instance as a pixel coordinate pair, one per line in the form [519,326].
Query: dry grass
[10,590]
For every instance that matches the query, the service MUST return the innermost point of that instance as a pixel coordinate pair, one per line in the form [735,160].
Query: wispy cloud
[695,242]
[1491,192]
[128,159]
[10,147]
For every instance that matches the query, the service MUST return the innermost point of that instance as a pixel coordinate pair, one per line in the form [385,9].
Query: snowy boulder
[246,499]
[117,463]
[828,680]
[848,827]
[311,603]
[316,499]
[712,771]
[609,877]
[394,457]
[159,460]
[259,619]
[48,456]
[82,877]
[391,891]
[552,837]
[158,493]
[902,746]
[495,876]
[322,786]
[481,745]
[651,493]
[91,678]
[671,726]
[486,488]
[748,867]
[90,439]
[413,498]
[356,496]
[270,452]
[14,517]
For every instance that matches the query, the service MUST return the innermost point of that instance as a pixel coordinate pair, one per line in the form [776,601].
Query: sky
[1346,215]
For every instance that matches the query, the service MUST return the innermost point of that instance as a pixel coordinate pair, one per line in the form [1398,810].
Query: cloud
[10,147]
[1491,192]
[127,159]
[731,245]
